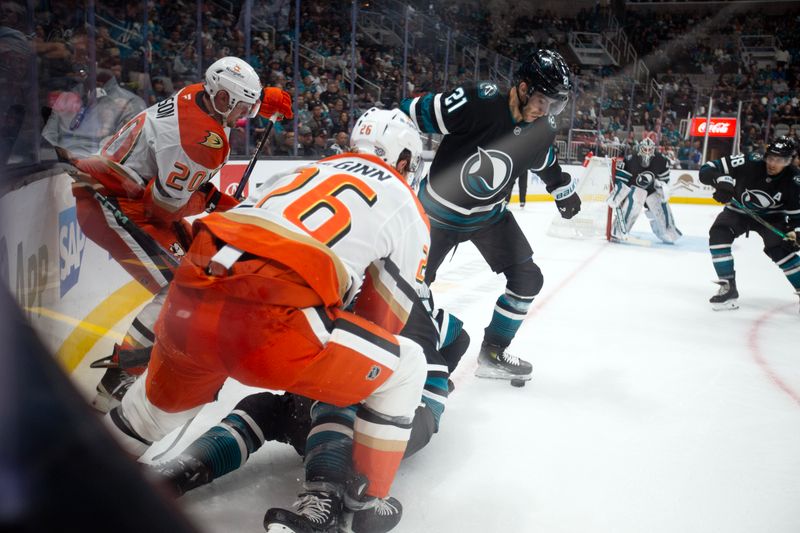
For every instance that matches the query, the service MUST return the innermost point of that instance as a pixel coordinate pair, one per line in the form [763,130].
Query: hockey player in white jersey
[640,182]
[260,297]
[155,171]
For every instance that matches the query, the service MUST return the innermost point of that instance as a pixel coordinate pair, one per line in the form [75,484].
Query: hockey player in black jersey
[639,181]
[768,187]
[490,138]
[322,435]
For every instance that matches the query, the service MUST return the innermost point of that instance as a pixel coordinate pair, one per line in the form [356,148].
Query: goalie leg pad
[629,209]
[660,216]
[618,195]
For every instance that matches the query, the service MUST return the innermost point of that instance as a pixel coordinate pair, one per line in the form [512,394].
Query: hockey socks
[723,260]
[790,265]
[509,312]
[329,447]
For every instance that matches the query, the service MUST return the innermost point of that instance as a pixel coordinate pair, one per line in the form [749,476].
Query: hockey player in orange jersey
[260,297]
[155,171]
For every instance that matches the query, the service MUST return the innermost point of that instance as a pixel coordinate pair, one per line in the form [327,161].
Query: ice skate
[183,474]
[368,514]
[112,387]
[315,512]
[495,362]
[727,297]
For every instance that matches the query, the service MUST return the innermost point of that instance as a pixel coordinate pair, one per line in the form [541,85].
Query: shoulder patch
[796,179]
[487,89]
[552,120]
[202,138]
[754,156]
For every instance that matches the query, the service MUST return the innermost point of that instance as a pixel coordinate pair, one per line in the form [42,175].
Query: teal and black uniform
[776,199]
[469,184]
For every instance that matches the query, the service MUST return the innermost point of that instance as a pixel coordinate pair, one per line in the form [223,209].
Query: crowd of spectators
[154,48]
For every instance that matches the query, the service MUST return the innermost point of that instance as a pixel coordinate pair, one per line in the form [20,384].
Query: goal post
[594,219]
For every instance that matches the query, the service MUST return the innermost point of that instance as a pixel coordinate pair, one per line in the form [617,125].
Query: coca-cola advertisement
[720,127]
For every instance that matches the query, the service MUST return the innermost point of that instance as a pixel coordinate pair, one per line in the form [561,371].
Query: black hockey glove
[724,189]
[569,206]
[567,200]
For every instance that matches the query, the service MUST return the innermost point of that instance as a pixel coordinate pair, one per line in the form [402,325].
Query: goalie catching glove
[567,200]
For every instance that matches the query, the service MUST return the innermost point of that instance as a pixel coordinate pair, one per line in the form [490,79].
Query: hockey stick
[757,218]
[624,236]
[149,245]
[760,220]
[252,164]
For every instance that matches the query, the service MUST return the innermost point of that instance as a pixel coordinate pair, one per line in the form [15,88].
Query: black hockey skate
[495,362]
[315,512]
[368,514]
[727,297]
[183,474]
[112,387]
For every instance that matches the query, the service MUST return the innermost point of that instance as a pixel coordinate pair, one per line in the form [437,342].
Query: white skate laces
[314,507]
[508,358]
[384,508]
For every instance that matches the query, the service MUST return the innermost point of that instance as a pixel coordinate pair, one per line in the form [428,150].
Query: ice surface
[647,412]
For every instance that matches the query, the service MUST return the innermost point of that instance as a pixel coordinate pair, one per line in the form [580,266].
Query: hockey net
[594,218]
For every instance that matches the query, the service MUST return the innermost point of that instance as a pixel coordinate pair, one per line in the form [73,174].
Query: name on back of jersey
[361,168]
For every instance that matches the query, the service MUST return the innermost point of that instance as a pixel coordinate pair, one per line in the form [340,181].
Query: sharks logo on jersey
[755,199]
[485,173]
[487,90]
[645,179]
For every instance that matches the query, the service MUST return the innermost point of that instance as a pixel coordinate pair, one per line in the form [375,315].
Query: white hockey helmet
[239,80]
[387,134]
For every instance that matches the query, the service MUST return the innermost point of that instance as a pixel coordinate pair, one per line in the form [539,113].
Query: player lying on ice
[261,293]
[328,449]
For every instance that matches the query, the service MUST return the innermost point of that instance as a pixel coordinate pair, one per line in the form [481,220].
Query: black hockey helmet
[783,146]
[546,72]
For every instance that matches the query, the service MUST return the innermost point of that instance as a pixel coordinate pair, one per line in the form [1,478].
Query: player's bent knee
[781,253]
[720,235]
[524,279]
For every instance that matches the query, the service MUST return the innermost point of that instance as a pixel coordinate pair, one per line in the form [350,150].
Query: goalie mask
[392,137]
[545,72]
[646,151]
[239,80]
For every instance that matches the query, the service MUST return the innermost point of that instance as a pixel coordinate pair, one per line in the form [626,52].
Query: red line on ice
[755,351]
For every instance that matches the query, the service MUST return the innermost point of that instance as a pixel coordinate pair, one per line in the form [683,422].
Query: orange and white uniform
[260,297]
[156,170]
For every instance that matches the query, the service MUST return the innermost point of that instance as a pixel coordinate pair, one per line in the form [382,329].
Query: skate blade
[279,528]
[730,305]
[488,372]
